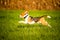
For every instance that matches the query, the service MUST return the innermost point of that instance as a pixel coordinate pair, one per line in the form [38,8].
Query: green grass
[10,29]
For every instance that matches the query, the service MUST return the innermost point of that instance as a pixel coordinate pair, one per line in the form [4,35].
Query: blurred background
[10,11]
[30,4]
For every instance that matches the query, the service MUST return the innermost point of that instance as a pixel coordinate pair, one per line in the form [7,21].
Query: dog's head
[25,13]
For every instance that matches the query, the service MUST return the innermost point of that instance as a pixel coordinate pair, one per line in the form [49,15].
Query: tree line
[30,4]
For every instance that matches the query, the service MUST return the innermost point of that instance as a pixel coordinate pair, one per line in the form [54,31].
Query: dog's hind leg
[44,22]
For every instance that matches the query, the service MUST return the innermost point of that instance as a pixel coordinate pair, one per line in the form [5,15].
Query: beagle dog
[32,20]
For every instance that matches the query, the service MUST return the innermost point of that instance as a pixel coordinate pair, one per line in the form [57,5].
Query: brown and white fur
[32,20]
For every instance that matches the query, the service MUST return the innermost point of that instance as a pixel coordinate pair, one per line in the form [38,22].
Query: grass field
[10,29]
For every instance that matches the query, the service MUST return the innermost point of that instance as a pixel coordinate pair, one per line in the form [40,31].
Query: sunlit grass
[10,29]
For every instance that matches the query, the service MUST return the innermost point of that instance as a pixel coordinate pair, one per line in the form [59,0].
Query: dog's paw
[20,21]
[50,26]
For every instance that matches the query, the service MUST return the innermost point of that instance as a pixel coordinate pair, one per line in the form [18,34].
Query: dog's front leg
[22,22]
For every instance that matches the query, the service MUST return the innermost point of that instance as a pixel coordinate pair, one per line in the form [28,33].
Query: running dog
[32,20]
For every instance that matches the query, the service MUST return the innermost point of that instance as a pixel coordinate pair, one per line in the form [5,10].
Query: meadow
[10,29]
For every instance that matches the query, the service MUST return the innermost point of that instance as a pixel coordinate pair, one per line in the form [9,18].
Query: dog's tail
[46,16]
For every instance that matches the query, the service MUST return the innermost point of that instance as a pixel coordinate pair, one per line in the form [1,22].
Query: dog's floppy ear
[26,12]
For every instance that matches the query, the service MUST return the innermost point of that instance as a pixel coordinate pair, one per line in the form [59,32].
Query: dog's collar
[25,16]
